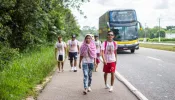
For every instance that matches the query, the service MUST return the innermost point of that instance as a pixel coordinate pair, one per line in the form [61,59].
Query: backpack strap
[114,47]
[105,46]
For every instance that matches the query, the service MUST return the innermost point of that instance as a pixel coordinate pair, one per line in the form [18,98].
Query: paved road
[150,71]
[69,86]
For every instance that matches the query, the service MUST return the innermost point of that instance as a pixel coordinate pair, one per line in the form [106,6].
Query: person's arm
[68,48]
[81,57]
[65,48]
[116,56]
[103,57]
[78,47]
[55,53]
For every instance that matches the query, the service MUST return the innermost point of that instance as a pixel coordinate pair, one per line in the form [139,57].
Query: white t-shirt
[60,47]
[87,59]
[109,54]
[98,45]
[73,45]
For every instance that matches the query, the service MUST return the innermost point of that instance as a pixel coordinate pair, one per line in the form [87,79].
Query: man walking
[60,53]
[73,46]
[98,51]
[109,56]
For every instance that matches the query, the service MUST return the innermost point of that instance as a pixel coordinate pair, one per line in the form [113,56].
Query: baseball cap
[96,36]
[73,36]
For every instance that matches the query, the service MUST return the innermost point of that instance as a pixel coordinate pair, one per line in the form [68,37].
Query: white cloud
[148,11]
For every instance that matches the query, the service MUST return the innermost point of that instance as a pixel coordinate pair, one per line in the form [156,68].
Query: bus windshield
[125,33]
[122,16]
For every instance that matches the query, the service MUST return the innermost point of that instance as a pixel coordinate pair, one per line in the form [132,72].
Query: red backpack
[114,46]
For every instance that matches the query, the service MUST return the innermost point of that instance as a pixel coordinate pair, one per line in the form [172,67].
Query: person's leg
[62,64]
[113,67]
[75,60]
[85,79]
[71,60]
[105,78]
[97,62]
[112,78]
[59,66]
[91,67]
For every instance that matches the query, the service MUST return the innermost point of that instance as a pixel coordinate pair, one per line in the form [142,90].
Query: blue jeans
[87,71]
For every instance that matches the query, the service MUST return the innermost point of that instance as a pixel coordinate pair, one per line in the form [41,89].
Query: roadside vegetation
[158,46]
[26,29]
[163,40]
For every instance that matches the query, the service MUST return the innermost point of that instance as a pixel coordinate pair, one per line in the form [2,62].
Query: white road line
[154,58]
[136,92]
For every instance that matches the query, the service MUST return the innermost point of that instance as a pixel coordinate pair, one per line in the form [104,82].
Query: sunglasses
[110,35]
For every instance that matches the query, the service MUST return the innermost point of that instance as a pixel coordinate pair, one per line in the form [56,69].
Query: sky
[148,11]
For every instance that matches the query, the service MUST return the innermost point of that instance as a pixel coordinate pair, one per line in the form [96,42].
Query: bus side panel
[103,28]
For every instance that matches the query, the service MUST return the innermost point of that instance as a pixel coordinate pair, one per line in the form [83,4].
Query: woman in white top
[87,57]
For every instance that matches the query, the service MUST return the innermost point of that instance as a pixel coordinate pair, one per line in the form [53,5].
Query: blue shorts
[73,55]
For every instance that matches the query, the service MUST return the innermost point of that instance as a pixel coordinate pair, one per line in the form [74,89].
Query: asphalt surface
[69,86]
[151,71]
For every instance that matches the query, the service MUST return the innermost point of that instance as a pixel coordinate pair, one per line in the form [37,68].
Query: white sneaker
[111,89]
[75,68]
[72,68]
[107,86]
[89,89]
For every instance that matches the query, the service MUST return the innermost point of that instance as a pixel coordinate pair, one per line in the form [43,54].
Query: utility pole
[159,29]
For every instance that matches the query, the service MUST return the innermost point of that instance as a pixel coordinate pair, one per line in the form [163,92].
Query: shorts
[110,67]
[98,58]
[73,55]
[60,58]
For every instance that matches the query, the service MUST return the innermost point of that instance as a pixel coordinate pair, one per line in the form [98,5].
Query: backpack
[114,46]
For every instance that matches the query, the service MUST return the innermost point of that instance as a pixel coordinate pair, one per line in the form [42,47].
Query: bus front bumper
[128,46]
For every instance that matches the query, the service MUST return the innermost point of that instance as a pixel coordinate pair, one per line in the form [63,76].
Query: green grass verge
[158,46]
[19,80]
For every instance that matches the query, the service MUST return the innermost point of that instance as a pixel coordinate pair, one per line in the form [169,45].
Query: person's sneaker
[111,89]
[72,69]
[89,89]
[85,92]
[107,86]
[75,69]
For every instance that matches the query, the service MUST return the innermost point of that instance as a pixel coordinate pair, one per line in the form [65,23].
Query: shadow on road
[124,52]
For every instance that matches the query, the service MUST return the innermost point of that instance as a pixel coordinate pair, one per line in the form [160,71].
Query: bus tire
[132,50]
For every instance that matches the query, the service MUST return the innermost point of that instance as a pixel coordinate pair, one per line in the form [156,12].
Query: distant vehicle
[124,24]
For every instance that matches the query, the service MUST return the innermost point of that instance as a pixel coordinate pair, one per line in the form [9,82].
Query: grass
[158,46]
[25,73]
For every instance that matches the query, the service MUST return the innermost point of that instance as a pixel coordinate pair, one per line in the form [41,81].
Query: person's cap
[73,36]
[96,36]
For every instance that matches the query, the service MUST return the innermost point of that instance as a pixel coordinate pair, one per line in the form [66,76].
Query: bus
[125,26]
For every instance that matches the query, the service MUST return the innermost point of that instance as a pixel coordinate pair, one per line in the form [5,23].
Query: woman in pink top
[87,57]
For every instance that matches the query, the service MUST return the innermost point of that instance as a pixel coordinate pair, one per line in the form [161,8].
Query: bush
[24,73]
[6,56]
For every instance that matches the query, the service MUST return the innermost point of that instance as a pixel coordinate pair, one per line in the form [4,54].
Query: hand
[104,62]
[80,66]
[95,64]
